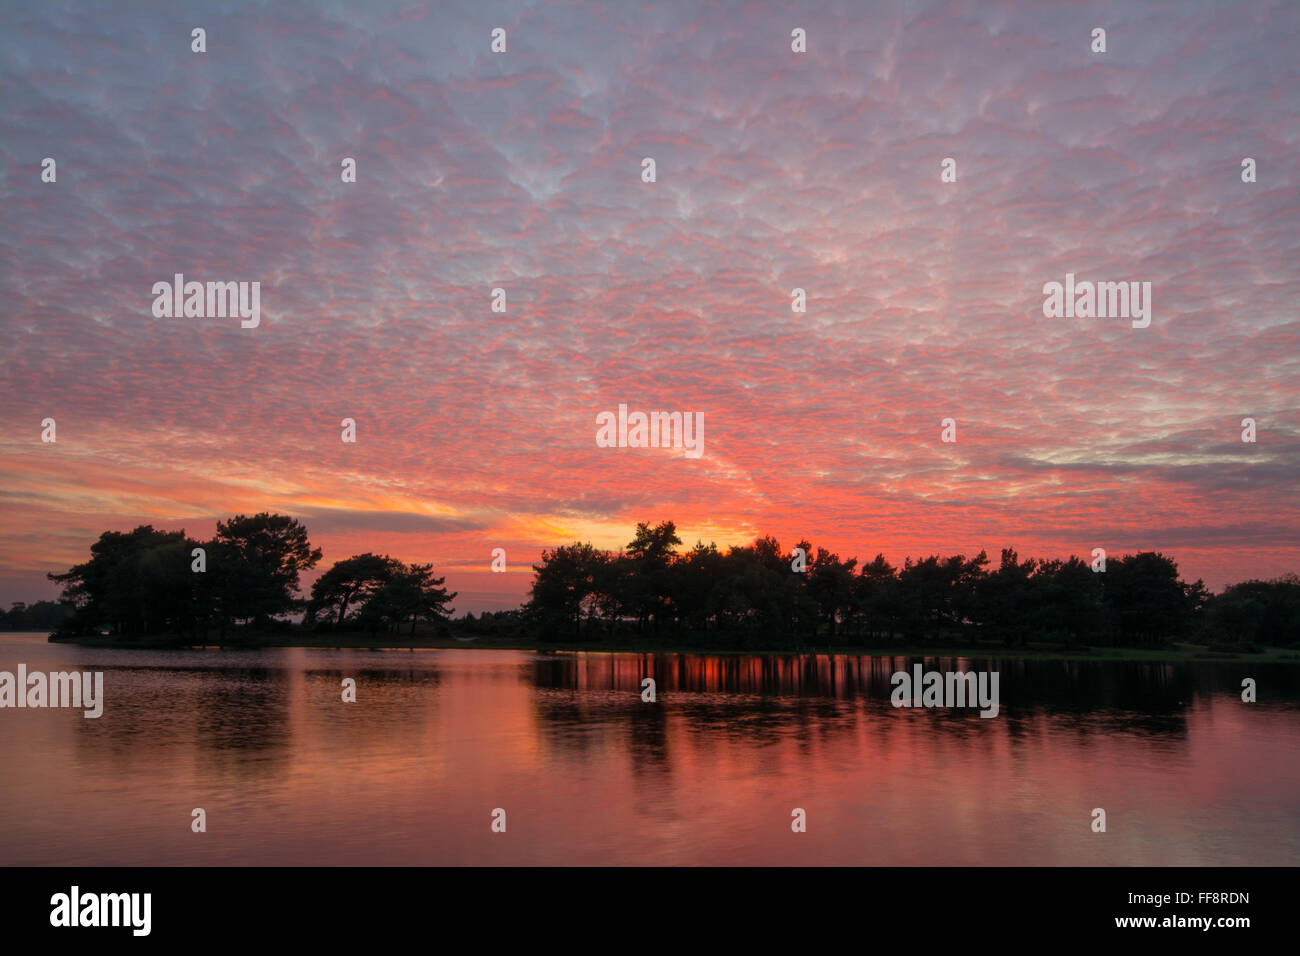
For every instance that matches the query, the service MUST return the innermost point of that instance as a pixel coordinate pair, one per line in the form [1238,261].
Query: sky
[774,170]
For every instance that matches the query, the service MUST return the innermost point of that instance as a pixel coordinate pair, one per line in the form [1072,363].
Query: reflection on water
[588,773]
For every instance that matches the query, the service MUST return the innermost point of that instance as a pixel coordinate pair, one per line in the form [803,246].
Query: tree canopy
[149,582]
[246,578]
[761,595]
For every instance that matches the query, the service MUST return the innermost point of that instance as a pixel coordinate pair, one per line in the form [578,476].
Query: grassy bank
[1174,653]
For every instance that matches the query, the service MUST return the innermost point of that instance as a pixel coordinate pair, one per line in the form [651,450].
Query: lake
[588,773]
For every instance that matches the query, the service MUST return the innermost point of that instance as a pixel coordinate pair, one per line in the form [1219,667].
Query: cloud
[774,171]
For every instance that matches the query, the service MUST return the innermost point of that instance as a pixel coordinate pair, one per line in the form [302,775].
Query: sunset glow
[476,430]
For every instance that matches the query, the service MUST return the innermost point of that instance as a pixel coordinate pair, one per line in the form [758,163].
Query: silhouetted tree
[136,583]
[879,599]
[646,580]
[1145,601]
[1255,612]
[410,594]
[572,584]
[358,578]
[830,588]
[255,562]
[37,616]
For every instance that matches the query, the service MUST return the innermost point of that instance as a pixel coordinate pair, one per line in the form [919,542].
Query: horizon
[479,429]
[863,559]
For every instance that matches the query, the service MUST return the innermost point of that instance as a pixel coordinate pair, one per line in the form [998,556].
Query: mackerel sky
[775,170]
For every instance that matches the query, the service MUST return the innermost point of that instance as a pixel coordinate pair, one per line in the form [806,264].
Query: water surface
[590,774]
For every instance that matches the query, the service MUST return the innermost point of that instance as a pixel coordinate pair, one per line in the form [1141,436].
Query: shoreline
[1175,653]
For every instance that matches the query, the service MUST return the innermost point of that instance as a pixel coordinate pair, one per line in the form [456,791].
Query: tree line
[37,616]
[761,595]
[152,583]
[245,580]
